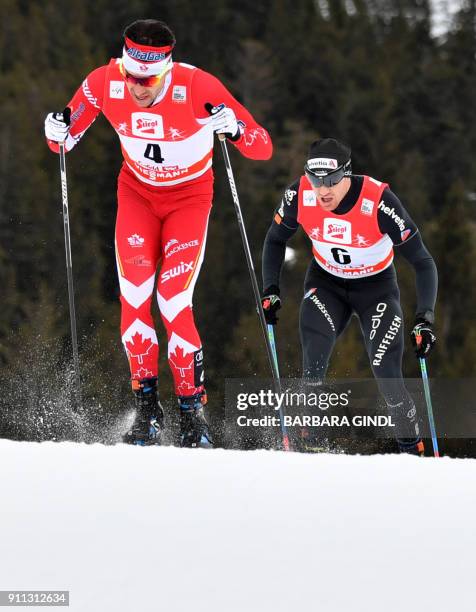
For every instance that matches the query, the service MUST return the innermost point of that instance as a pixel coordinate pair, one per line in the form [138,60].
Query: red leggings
[167,225]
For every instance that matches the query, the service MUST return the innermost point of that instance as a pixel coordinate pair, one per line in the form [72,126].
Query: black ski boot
[194,432]
[149,420]
[411,446]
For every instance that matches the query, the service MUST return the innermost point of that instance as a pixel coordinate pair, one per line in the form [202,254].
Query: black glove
[271,303]
[423,337]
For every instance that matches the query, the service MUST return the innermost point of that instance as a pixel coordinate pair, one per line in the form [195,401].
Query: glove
[224,120]
[422,337]
[271,303]
[57,125]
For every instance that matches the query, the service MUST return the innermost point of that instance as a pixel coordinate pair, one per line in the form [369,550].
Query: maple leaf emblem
[181,361]
[186,388]
[143,373]
[138,347]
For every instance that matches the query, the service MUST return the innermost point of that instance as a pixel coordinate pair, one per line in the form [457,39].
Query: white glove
[224,121]
[56,127]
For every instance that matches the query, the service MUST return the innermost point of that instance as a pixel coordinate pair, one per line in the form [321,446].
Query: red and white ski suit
[165,191]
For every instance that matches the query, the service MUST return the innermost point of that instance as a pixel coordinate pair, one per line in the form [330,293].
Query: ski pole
[426,387]
[284,431]
[69,263]
[249,260]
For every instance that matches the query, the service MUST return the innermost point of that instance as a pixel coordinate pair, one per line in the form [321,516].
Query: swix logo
[177,271]
[170,243]
[147,125]
[135,240]
[337,230]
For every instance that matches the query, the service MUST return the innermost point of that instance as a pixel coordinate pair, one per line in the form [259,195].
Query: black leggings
[326,309]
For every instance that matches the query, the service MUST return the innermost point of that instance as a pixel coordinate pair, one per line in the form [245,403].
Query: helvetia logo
[392,214]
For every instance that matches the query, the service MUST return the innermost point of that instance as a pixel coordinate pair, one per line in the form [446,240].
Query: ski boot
[194,432]
[148,424]
[411,446]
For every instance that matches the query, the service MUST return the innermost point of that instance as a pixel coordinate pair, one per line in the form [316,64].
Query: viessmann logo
[147,125]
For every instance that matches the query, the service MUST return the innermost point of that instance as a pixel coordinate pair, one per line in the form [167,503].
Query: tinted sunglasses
[328,180]
[150,81]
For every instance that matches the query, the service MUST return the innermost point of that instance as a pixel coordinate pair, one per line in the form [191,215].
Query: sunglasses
[150,81]
[329,180]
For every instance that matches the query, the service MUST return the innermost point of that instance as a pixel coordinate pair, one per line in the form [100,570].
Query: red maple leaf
[180,360]
[138,347]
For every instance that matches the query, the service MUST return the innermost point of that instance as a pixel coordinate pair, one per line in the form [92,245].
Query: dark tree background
[365,71]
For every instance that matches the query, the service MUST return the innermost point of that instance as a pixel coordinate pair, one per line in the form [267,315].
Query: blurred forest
[368,72]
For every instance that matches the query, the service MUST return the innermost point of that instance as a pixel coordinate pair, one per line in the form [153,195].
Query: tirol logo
[337,230]
[147,125]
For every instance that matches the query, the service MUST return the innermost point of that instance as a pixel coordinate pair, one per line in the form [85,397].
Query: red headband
[146,53]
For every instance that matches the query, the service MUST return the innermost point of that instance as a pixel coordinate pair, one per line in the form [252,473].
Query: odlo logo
[376,319]
[177,271]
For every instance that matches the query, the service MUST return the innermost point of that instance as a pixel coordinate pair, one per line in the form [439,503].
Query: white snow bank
[134,529]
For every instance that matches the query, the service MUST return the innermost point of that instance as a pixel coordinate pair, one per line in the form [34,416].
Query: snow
[133,529]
